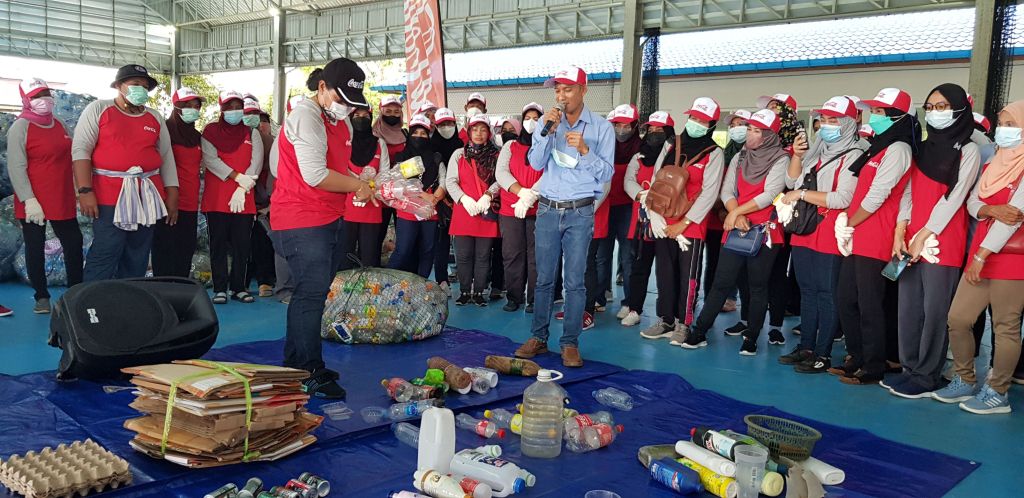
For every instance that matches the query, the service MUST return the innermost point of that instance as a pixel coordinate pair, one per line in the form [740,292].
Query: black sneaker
[496,294]
[323,383]
[796,356]
[749,347]
[479,300]
[464,299]
[737,329]
[511,306]
[775,337]
[529,308]
[813,366]
[695,340]
[796,329]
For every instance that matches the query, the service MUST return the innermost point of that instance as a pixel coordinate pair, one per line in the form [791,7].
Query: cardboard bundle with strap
[199,413]
[667,195]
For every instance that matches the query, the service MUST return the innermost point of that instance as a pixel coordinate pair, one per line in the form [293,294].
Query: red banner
[424,54]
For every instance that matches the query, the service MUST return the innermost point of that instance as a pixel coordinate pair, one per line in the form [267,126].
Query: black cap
[347,77]
[133,71]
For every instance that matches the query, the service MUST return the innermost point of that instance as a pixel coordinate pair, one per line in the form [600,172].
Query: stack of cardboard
[209,411]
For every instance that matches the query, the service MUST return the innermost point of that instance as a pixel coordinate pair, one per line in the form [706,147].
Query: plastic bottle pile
[381,306]
[305,486]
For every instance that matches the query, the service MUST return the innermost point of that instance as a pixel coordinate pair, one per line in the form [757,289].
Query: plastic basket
[783,437]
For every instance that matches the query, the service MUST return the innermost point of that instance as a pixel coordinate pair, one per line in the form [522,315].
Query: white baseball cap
[251,106]
[765,119]
[421,120]
[660,118]
[624,113]
[705,108]
[443,115]
[229,95]
[32,87]
[478,97]
[838,107]
[390,100]
[738,113]
[785,98]
[570,75]
[893,98]
[185,94]
[426,106]
[533,106]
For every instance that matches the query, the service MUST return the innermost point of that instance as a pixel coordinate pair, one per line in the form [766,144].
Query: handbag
[806,216]
[747,243]
[1015,244]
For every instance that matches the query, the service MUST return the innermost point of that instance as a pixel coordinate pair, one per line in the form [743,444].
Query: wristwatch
[802,194]
[84,190]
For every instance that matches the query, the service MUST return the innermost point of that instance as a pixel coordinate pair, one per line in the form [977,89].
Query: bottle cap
[518,485]
[488,413]
[620,428]
[772,484]
[501,433]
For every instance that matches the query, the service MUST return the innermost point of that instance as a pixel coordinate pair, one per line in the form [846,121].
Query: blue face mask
[695,129]
[233,117]
[136,95]
[251,120]
[880,123]
[1007,137]
[738,134]
[830,133]
[189,115]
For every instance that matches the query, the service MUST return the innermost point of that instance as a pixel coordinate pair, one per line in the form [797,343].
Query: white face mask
[529,125]
[939,120]
[338,111]
[446,131]
[42,106]
[1007,137]
[472,112]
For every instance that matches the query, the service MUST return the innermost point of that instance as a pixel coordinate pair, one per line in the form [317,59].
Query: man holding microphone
[575,150]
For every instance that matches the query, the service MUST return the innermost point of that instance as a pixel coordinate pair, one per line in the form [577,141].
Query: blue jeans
[312,254]
[818,276]
[117,253]
[414,249]
[562,233]
[618,231]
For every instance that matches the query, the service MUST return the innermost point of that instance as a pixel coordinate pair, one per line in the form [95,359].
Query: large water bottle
[543,403]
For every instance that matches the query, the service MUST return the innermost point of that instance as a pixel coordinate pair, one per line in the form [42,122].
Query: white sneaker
[623,311]
[632,318]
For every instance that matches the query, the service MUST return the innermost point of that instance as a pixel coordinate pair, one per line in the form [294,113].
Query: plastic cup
[750,462]
[600,493]
[373,414]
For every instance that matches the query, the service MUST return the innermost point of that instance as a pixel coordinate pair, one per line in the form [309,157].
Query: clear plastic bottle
[506,419]
[412,409]
[402,391]
[490,375]
[407,433]
[581,421]
[480,385]
[482,428]
[543,403]
[590,438]
[614,398]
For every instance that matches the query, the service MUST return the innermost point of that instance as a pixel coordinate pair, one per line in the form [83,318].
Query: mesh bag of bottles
[10,238]
[382,306]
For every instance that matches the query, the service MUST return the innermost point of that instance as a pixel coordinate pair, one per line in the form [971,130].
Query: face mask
[418,143]
[738,134]
[392,120]
[879,123]
[472,112]
[940,120]
[529,125]
[655,140]
[623,135]
[695,129]
[189,115]
[446,131]
[508,136]
[42,106]
[1007,137]
[137,95]
[233,117]
[361,124]
[338,111]
[829,133]
[251,121]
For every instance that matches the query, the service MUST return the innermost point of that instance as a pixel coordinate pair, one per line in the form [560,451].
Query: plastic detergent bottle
[502,476]
[437,440]
[676,476]
[543,403]
[716,484]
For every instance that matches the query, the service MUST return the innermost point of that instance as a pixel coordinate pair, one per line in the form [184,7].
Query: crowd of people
[897,237]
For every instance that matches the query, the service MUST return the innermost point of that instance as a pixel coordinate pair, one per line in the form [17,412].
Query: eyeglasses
[941,106]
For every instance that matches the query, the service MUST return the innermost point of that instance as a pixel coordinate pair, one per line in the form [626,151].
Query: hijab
[224,136]
[825,152]
[364,146]
[905,128]
[938,157]
[485,156]
[182,133]
[756,163]
[694,146]
[392,135]
[28,114]
[790,124]
[624,151]
[427,154]
[649,155]
[446,146]
[1008,164]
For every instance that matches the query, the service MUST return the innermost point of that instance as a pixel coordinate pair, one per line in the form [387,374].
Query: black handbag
[806,216]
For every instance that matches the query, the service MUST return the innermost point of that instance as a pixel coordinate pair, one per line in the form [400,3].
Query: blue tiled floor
[995,441]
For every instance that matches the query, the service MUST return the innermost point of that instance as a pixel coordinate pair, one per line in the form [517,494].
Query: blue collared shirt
[594,169]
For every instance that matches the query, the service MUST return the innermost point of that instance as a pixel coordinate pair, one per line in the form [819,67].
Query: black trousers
[261,257]
[173,246]
[229,234]
[519,258]
[497,266]
[861,299]
[712,248]
[387,217]
[643,260]
[70,237]
[730,266]
[678,275]
[363,241]
[473,262]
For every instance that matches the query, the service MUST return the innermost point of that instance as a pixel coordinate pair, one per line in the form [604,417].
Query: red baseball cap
[390,100]
[983,122]
[838,107]
[426,106]
[229,95]
[444,114]
[765,119]
[251,106]
[32,87]
[421,120]
[787,99]
[185,94]
[480,119]
[891,98]
[738,113]
[861,106]
[705,108]
[866,131]
[660,118]
[570,75]
[625,113]
[533,106]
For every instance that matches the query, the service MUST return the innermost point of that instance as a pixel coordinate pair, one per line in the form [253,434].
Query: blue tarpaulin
[362,459]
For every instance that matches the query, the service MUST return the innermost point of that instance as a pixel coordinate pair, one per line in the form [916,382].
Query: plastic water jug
[437,440]
[543,403]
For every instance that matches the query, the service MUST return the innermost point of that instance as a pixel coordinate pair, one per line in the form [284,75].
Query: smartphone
[896,266]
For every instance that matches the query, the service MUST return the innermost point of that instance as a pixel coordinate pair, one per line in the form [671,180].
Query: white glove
[930,253]
[658,224]
[844,235]
[528,196]
[237,202]
[643,198]
[245,181]
[34,212]
[483,204]
[785,211]
[470,205]
[684,243]
[368,174]
[358,204]
[521,208]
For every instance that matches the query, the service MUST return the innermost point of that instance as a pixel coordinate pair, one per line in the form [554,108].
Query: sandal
[220,298]
[243,296]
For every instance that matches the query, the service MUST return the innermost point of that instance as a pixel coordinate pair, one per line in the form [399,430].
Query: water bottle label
[495,462]
[481,428]
[605,434]
[412,410]
[583,421]
[469,485]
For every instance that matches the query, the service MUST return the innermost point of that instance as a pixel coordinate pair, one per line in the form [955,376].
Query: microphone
[551,123]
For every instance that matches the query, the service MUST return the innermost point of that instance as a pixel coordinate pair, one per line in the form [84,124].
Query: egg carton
[71,470]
